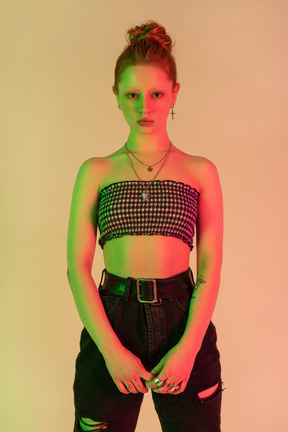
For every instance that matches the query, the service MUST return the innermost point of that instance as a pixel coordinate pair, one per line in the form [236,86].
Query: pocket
[110,302]
[183,302]
[213,396]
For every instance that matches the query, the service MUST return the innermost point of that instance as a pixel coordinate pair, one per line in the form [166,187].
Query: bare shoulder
[100,164]
[204,170]
[199,163]
[87,182]
[202,164]
[91,166]
[92,169]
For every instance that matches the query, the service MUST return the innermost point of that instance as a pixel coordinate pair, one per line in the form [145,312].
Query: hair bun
[151,30]
[147,44]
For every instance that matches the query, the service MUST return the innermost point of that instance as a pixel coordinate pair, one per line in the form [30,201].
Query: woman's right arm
[80,253]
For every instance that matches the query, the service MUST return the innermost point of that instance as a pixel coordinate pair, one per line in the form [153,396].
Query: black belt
[147,290]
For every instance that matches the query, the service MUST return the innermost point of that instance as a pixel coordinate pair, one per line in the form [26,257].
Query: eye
[157,95]
[132,95]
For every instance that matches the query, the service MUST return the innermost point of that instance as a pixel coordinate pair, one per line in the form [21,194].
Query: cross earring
[172,112]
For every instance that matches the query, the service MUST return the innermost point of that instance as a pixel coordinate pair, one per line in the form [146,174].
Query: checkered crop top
[170,211]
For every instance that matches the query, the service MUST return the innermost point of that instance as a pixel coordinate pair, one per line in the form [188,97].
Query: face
[145,91]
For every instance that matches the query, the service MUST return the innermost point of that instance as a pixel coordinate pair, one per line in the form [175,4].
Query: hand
[173,369]
[126,371]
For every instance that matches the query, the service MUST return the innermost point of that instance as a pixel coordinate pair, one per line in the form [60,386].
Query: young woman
[148,326]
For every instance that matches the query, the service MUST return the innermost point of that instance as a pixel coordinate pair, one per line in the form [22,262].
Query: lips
[145,122]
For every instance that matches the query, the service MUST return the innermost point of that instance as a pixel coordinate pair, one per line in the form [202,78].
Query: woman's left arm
[177,365]
[209,259]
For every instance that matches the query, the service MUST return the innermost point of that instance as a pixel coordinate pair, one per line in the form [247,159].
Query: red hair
[147,44]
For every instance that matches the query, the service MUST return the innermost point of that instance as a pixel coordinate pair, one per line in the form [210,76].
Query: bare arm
[80,253]
[209,259]
[124,367]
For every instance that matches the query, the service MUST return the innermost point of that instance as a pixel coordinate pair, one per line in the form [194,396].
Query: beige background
[58,109]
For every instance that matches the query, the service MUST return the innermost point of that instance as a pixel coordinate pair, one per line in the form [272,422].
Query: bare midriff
[146,256]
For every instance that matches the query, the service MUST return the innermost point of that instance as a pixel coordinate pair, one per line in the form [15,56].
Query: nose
[144,104]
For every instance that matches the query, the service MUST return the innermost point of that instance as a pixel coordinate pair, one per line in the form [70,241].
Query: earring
[119,107]
[172,112]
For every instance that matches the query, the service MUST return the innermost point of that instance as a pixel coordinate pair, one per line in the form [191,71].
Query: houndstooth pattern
[170,211]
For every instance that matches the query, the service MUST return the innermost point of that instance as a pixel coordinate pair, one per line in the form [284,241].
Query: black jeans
[149,331]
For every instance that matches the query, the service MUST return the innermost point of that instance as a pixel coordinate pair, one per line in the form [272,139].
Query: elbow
[77,270]
[210,262]
[72,271]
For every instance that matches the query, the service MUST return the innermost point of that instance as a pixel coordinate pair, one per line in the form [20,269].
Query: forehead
[144,77]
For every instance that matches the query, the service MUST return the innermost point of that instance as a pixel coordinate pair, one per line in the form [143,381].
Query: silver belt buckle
[155,300]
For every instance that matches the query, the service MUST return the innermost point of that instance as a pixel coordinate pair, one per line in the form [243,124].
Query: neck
[148,144]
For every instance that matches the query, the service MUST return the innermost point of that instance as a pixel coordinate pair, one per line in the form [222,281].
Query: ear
[175,91]
[116,94]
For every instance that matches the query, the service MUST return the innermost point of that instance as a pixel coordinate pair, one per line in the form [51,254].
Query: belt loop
[103,271]
[191,276]
[127,289]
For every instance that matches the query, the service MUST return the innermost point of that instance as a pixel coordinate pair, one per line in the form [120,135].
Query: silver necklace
[145,195]
[149,166]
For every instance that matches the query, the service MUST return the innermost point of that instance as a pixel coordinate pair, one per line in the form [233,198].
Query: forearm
[91,311]
[202,305]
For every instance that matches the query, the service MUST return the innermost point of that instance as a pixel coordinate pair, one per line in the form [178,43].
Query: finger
[156,370]
[176,392]
[151,385]
[167,391]
[164,388]
[147,376]
[121,387]
[157,383]
[158,390]
[140,386]
[130,387]
[181,388]
[173,388]
[169,388]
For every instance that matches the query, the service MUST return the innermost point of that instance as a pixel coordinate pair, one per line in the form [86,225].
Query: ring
[174,387]
[158,382]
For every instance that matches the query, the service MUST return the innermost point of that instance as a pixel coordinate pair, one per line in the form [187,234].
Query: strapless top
[169,209]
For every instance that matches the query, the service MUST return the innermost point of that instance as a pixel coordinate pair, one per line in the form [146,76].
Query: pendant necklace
[149,166]
[145,195]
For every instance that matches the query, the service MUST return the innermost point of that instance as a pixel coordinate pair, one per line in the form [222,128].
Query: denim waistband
[147,290]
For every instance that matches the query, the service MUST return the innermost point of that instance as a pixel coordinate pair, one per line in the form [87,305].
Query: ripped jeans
[149,330]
